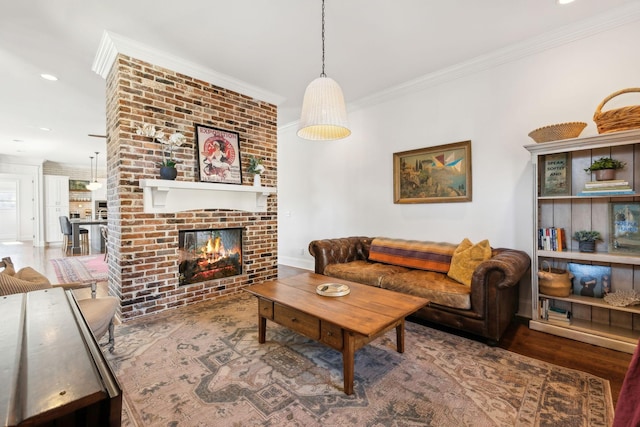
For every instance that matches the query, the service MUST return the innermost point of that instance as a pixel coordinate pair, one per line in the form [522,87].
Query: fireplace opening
[209,254]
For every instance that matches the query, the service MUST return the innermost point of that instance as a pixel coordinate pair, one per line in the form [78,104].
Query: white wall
[27,174]
[344,188]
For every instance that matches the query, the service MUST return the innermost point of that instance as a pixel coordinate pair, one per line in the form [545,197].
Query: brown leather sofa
[491,300]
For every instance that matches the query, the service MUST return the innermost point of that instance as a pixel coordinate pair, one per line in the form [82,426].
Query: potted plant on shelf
[586,240]
[256,168]
[605,168]
[168,165]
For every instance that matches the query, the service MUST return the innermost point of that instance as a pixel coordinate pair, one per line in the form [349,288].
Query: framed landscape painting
[437,174]
[218,155]
[78,185]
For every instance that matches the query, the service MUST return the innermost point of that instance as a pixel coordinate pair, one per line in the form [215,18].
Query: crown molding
[11,160]
[567,34]
[105,56]
[113,44]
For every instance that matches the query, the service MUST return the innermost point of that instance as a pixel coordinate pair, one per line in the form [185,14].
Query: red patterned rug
[84,269]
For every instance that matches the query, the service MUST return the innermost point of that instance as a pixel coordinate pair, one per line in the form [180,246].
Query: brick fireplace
[143,246]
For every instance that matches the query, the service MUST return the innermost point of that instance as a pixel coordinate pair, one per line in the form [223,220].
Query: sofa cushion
[368,273]
[430,256]
[466,258]
[436,287]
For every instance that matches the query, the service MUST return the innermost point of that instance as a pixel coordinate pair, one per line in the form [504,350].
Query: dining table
[75,231]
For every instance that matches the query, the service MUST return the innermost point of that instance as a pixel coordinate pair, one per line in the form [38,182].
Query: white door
[9,210]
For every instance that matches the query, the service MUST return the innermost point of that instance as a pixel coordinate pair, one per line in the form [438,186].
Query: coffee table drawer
[297,320]
[265,308]
[331,335]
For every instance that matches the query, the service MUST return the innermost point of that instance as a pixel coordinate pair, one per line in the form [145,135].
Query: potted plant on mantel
[168,165]
[256,168]
[587,240]
[605,168]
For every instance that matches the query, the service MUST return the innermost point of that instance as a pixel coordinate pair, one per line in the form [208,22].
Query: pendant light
[324,115]
[94,185]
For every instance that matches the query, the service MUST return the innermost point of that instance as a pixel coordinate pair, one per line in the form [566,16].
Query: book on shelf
[606,192]
[551,239]
[613,187]
[608,183]
[604,189]
[559,322]
[553,314]
[559,314]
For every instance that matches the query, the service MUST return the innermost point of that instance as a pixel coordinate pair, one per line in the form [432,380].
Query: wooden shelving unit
[593,320]
[79,195]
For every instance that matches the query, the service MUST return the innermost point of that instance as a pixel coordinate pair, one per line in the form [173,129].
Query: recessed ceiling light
[45,129]
[49,77]
[565,1]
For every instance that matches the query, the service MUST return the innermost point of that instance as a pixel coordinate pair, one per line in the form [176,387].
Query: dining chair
[67,235]
[104,231]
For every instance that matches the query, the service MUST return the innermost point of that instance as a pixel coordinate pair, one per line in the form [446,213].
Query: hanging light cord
[323,74]
[96,179]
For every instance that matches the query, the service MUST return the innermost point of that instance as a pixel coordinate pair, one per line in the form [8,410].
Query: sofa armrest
[510,263]
[494,277]
[337,251]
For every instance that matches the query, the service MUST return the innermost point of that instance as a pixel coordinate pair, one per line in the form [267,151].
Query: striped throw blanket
[432,256]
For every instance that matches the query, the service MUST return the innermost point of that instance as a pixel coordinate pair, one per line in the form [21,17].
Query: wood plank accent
[54,371]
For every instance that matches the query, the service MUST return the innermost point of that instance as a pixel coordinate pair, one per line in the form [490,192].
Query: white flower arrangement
[175,140]
[255,166]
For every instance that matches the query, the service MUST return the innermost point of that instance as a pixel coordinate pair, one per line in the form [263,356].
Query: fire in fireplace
[209,254]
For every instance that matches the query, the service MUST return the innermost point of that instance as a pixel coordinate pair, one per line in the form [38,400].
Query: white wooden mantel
[164,196]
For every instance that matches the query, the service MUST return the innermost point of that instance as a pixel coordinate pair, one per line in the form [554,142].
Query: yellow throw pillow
[466,258]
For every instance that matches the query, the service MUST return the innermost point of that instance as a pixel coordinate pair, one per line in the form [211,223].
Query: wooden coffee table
[345,323]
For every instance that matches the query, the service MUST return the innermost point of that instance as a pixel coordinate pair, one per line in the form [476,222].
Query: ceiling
[274,45]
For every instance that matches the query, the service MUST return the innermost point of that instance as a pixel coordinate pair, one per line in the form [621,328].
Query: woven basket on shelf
[624,118]
[557,132]
[554,281]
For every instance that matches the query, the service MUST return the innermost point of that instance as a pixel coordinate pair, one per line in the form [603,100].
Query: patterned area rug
[83,269]
[202,366]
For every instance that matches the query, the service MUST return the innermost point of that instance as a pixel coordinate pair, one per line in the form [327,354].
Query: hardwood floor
[605,363]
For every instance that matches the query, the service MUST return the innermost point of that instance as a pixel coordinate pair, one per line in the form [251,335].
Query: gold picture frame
[439,174]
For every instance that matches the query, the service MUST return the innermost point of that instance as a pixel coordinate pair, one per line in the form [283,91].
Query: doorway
[9,210]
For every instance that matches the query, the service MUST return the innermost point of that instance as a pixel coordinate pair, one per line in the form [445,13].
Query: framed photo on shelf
[556,175]
[590,280]
[438,174]
[78,185]
[624,233]
[218,155]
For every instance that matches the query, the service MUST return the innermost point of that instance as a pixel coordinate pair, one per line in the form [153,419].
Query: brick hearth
[143,247]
